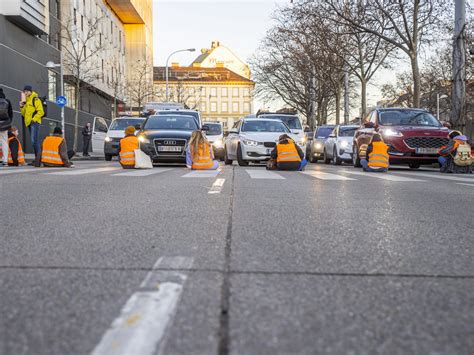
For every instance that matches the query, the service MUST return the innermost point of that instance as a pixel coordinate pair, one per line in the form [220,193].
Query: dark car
[414,136]
[165,137]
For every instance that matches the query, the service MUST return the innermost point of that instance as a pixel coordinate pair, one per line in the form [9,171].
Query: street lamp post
[438,97]
[52,65]
[166,71]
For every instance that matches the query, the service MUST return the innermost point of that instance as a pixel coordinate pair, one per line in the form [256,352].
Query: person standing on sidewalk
[86,139]
[6,117]
[32,111]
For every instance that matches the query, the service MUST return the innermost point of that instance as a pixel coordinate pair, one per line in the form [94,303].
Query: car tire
[240,160]
[325,158]
[227,161]
[335,159]
[313,160]
[355,157]
[108,157]
[414,166]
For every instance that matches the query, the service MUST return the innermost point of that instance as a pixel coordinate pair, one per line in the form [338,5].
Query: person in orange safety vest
[199,155]
[377,154]
[127,148]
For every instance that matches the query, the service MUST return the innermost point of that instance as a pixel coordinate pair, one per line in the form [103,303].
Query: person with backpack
[456,156]
[32,110]
[6,117]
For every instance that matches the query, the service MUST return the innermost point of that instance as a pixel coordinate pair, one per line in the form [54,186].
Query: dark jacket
[62,154]
[86,132]
[287,165]
[6,124]
[13,146]
[448,152]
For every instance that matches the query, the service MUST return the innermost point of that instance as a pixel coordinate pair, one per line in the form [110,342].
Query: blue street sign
[61,101]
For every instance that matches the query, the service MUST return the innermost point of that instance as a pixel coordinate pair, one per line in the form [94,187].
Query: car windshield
[407,118]
[264,126]
[347,131]
[214,129]
[181,123]
[195,114]
[293,122]
[324,132]
[121,124]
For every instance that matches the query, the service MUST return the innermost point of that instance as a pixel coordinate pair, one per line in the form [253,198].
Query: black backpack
[44,102]
[4,109]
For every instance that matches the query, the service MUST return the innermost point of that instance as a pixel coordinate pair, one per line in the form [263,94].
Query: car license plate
[269,151]
[169,149]
[426,150]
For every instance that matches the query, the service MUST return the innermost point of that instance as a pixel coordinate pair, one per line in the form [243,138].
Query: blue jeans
[303,164]
[442,161]
[34,129]
[366,167]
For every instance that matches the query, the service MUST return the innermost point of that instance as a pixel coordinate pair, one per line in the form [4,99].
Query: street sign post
[61,101]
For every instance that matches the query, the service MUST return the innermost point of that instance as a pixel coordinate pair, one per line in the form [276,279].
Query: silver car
[316,151]
[338,146]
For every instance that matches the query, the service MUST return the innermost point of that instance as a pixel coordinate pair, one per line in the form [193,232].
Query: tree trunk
[363,97]
[459,69]
[416,79]
[76,118]
[338,104]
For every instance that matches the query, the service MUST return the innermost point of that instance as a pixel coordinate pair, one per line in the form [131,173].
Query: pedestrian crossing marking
[83,171]
[263,174]
[147,172]
[436,176]
[16,170]
[202,174]
[217,186]
[325,176]
[383,176]
[461,183]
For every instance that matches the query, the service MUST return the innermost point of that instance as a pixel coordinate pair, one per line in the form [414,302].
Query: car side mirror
[138,126]
[332,135]
[369,125]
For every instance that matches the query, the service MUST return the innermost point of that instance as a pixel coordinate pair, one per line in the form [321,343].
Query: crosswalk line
[217,186]
[461,183]
[147,172]
[263,174]
[325,176]
[383,176]
[202,174]
[437,175]
[9,171]
[69,172]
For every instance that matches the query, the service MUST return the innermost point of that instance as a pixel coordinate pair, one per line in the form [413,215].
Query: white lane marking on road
[202,174]
[263,174]
[148,313]
[383,176]
[437,175]
[217,186]
[9,171]
[461,183]
[147,172]
[325,176]
[83,171]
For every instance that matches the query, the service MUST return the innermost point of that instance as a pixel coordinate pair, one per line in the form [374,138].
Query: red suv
[413,135]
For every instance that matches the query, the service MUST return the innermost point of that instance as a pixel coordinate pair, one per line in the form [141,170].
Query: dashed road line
[68,172]
[325,176]
[436,175]
[217,186]
[383,176]
[146,172]
[263,174]
[143,321]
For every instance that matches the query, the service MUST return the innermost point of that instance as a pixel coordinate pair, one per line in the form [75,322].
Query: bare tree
[140,84]
[117,82]
[189,96]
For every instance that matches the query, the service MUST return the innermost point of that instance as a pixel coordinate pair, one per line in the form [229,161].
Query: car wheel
[227,161]
[325,158]
[108,157]
[335,159]
[313,159]
[240,160]
[414,166]
[355,157]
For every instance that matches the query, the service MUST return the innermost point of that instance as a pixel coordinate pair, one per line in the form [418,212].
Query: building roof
[197,74]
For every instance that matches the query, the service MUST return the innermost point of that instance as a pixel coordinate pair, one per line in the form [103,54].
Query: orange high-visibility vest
[203,159]
[50,151]
[379,157]
[287,152]
[127,150]
[21,155]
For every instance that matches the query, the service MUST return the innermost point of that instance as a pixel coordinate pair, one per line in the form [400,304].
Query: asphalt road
[243,261]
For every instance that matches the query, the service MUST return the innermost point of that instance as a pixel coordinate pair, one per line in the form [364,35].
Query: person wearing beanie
[32,111]
[287,155]
[456,156]
[54,151]
[127,147]
[6,117]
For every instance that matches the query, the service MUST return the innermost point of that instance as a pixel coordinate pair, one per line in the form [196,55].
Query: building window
[213,106]
[235,107]
[102,70]
[203,107]
[51,85]
[224,92]
[246,107]
[70,93]
[213,92]
[224,107]
[246,92]
[82,23]
[235,92]
[203,91]
[75,17]
[111,27]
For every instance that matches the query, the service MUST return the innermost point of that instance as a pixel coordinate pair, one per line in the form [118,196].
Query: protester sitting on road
[377,154]
[16,157]
[288,155]
[6,117]
[54,151]
[199,155]
[127,148]
[456,156]
[32,111]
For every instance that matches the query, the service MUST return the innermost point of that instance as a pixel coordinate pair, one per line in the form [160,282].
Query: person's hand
[22,103]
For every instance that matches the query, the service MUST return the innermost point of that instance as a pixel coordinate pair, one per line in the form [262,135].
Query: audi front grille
[426,142]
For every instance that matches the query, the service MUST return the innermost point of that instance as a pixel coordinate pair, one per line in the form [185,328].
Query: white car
[291,120]
[253,139]
[338,146]
[116,132]
[215,136]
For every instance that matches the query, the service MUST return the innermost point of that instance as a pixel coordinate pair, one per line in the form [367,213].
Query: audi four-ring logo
[169,142]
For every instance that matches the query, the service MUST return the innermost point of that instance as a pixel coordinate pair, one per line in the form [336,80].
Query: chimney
[174,65]
[215,44]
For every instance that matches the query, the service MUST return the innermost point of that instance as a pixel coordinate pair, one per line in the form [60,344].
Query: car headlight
[392,133]
[107,139]
[217,143]
[318,146]
[250,142]
[142,139]
[344,144]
